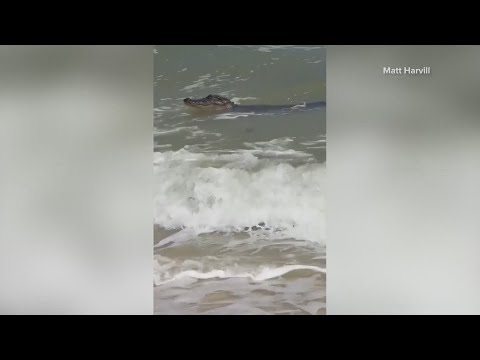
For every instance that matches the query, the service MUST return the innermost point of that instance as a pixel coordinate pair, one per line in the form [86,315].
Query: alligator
[219,103]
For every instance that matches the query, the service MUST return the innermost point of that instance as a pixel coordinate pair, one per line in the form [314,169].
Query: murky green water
[245,191]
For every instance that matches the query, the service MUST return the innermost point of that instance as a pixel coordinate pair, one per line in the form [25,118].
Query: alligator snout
[213,101]
[188,101]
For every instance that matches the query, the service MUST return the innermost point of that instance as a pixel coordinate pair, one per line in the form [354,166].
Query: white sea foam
[279,148]
[299,106]
[161,276]
[176,239]
[163,146]
[231,116]
[191,132]
[228,192]
[175,130]
[238,100]
[320,141]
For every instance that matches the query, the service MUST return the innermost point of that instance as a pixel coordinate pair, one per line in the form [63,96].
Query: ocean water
[239,207]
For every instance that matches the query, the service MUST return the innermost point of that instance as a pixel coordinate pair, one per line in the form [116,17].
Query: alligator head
[211,102]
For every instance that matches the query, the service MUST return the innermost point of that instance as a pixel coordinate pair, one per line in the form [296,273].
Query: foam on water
[277,148]
[158,132]
[262,274]
[320,141]
[275,144]
[190,132]
[232,116]
[238,100]
[300,106]
[176,239]
[229,192]
[163,146]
